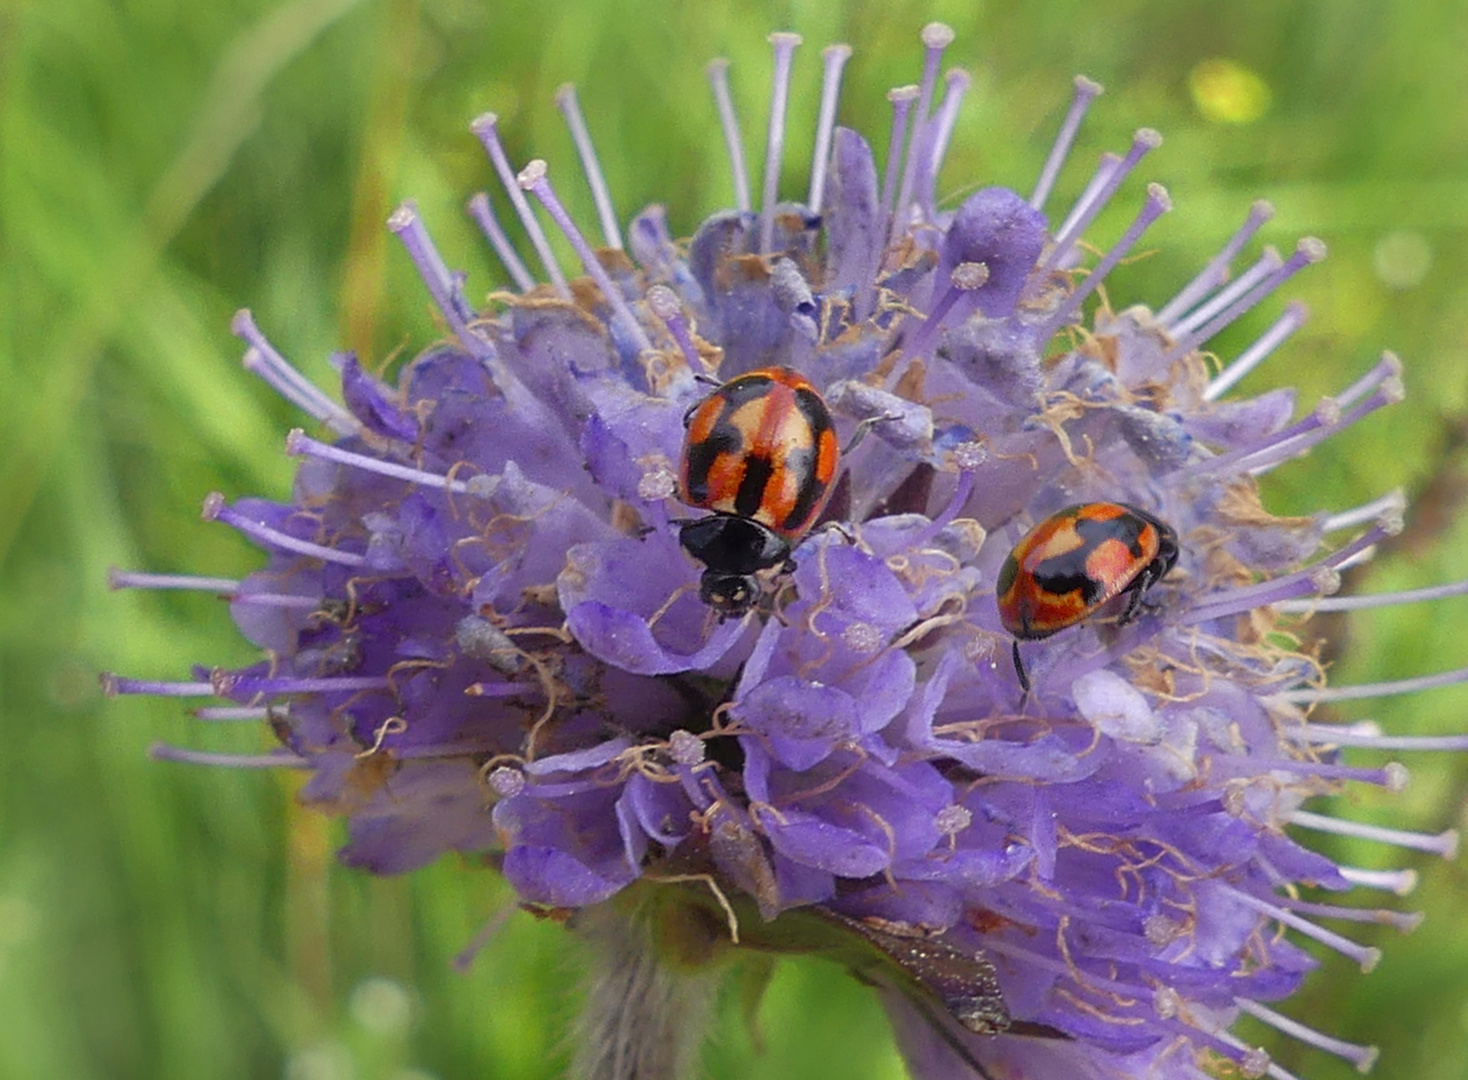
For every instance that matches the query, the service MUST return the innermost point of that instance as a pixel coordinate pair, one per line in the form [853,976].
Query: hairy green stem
[649,995]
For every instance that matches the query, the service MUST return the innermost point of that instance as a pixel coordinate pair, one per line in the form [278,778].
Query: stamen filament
[226,683]
[1157,203]
[1443,844]
[1403,921]
[533,179]
[486,127]
[264,360]
[129,579]
[1362,1057]
[280,600]
[1398,882]
[1365,955]
[1216,271]
[494,690]
[1386,371]
[238,712]
[784,45]
[834,58]
[936,37]
[663,302]
[1267,263]
[718,73]
[1319,577]
[216,510]
[570,108]
[1253,1061]
[1367,734]
[1308,251]
[298,444]
[901,98]
[1145,141]
[1294,317]
[1393,504]
[113,685]
[1267,458]
[1361,558]
[482,211]
[1321,695]
[277,760]
[1327,418]
[1107,165]
[1086,91]
[1393,776]
[956,84]
[965,278]
[1376,600]
[961,492]
[446,287]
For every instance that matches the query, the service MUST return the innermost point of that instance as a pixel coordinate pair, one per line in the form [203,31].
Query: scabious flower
[480,633]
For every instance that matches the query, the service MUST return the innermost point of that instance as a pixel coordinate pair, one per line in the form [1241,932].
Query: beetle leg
[839,527]
[1136,592]
[1020,673]
[864,426]
[1133,599]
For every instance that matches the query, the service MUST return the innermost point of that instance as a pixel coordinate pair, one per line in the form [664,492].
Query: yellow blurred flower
[1226,92]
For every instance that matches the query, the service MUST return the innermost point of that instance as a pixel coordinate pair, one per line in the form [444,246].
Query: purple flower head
[480,632]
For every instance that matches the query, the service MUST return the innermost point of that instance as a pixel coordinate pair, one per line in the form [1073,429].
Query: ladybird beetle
[1074,562]
[760,452]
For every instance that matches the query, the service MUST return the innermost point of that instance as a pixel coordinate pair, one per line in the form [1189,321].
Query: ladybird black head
[728,594]
[1167,549]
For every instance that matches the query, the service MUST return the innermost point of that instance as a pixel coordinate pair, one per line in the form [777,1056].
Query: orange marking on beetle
[774,412]
[1061,540]
[726,474]
[1112,561]
[1041,614]
[701,424]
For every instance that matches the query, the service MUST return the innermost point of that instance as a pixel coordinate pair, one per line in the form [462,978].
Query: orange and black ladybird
[760,452]
[1074,562]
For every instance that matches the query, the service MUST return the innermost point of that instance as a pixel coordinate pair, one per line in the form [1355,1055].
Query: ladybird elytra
[761,446]
[760,453]
[1076,561]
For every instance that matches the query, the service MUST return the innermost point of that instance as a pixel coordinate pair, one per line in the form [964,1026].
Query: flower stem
[650,991]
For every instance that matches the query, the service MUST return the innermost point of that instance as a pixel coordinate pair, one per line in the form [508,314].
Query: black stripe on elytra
[723,437]
[1061,574]
[802,463]
[701,455]
[811,406]
[744,389]
[758,469]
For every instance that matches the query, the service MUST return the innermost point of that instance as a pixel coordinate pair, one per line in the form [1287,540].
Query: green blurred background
[165,164]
